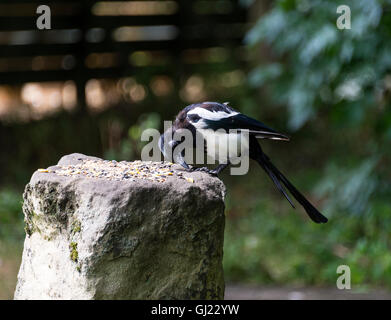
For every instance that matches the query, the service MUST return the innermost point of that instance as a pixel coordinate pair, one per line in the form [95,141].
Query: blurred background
[109,69]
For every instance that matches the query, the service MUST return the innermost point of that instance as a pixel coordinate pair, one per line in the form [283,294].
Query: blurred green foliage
[337,81]
[11,217]
[130,147]
[335,85]
[267,244]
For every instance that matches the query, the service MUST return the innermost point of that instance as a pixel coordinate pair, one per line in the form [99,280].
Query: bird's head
[167,145]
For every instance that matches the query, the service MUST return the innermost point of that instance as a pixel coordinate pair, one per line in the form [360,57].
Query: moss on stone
[30,226]
[76,227]
[74,253]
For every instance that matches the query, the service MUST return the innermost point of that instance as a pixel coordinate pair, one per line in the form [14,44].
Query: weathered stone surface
[92,238]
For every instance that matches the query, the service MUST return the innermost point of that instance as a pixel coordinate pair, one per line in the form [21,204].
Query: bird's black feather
[275,180]
[242,122]
[312,212]
[258,155]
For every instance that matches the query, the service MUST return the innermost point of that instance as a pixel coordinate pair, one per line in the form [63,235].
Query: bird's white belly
[221,146]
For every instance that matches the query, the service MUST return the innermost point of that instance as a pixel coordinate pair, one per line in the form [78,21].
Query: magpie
[214,122]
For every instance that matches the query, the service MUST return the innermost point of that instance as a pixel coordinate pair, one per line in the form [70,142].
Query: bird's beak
[178,158]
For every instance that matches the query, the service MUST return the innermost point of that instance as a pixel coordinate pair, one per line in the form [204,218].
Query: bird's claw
[203,169]
[207,170]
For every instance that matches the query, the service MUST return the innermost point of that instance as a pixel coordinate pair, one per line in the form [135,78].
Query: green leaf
[263,74]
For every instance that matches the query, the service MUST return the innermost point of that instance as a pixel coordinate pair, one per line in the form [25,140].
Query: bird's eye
[194,117]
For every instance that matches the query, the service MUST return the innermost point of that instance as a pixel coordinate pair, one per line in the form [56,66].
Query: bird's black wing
[240,121]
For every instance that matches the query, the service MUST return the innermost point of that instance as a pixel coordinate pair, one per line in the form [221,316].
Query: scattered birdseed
[120,171]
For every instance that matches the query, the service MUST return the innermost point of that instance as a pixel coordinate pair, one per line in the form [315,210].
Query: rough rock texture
[92,238]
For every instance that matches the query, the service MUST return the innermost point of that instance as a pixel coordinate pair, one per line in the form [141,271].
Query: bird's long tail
[278,178]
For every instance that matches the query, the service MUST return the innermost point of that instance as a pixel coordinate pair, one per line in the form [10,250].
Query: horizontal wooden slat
[76,22]
[58,75]
[104,21]
[111,22]
[63,75]
[36,50]
[85,73]
[36,76]
[50,2]
[55,49]
[119,21]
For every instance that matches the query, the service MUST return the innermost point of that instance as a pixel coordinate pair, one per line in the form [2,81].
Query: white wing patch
[210,115]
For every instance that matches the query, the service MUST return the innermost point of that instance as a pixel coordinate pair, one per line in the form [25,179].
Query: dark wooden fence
[94,39]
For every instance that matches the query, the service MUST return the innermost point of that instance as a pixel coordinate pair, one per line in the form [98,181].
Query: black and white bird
[214,123]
